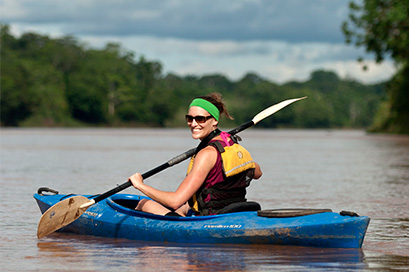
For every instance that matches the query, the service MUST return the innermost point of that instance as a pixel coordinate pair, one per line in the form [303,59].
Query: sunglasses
[199,119]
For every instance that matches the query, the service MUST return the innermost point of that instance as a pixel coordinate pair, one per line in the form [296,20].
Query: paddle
[68,210]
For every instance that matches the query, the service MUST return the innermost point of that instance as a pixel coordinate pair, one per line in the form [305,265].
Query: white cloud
[277,61]
[352,69]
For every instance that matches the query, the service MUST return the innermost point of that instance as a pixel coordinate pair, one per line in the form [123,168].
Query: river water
[340,170]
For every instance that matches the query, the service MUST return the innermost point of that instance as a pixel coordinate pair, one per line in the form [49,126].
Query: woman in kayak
[218,173]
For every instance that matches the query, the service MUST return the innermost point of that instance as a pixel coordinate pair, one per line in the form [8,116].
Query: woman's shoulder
[206,156]
[210,149]
[207,153]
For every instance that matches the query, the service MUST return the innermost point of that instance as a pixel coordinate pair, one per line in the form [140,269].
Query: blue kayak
[115,217]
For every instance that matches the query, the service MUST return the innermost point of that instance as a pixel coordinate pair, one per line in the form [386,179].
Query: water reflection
[93,253]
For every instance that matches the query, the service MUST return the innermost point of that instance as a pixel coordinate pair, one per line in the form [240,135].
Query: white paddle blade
[61,214]
[273,109]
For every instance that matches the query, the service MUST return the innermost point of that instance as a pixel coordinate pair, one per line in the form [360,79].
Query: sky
[279,40]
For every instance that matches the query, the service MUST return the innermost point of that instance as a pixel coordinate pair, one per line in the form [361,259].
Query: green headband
[206,105]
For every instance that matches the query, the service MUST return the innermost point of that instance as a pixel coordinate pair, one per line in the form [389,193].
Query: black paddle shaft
[165,165]
[148,174]
[241,128]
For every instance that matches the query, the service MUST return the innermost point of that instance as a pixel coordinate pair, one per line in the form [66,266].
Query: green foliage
[382,27]
[394,114]
[30,89]
[60,82]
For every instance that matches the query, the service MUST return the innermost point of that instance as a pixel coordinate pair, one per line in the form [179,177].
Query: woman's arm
[202,165]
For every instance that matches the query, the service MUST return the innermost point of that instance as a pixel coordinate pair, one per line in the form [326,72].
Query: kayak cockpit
[127,204]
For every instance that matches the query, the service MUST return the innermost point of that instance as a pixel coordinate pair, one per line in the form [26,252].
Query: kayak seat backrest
[248,206]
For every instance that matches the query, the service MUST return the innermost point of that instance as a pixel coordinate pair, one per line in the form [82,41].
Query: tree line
[62,82]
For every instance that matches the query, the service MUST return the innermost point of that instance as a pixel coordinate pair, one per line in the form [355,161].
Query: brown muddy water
[339,170]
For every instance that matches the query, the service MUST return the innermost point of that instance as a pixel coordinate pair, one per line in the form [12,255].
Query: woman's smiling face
[200,131]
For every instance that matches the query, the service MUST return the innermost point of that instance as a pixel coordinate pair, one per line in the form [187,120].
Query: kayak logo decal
[91,213]
[219,226]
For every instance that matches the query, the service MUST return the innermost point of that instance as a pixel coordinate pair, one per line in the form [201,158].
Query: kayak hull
[109,219]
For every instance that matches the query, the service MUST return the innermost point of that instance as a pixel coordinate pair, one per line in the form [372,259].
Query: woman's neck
[207,139]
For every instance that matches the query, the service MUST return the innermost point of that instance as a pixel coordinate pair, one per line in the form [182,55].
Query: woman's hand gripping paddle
[68,210]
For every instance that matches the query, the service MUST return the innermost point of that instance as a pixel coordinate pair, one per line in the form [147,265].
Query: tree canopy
[61,82]
[382,27]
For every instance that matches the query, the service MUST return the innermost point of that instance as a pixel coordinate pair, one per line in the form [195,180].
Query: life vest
[237,172]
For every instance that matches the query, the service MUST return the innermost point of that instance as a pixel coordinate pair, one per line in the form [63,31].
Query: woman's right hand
[137,180]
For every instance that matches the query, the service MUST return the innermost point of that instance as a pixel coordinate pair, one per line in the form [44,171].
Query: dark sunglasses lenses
[199,119]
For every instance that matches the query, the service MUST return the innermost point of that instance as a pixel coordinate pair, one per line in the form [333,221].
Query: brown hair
[217,100]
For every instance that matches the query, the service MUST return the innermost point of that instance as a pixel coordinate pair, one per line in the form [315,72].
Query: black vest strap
[206,140]
[219,146]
